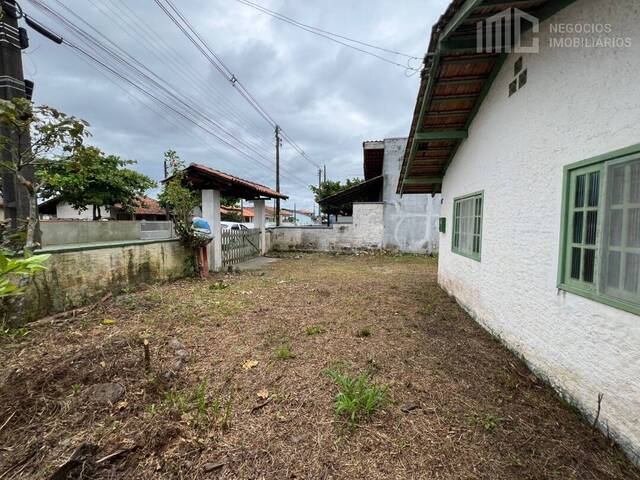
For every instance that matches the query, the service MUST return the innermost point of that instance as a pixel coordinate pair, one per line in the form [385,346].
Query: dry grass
[461,405]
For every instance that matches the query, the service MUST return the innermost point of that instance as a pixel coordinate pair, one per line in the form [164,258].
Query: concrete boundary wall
[77,276]
[365,233]
[85,232]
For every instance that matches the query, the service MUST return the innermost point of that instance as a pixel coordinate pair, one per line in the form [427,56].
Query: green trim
[473,256]
[460,17]
[601,298]
[441,135]
[574,287]
[80,247]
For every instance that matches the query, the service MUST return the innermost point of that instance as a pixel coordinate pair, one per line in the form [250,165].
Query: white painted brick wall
[578,103]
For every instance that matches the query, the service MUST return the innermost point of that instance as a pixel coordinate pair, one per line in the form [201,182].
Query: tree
[181,200]
[32,135]
[331,187]
[89,177]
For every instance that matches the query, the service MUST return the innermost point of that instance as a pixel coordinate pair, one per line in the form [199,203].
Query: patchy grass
[215,400]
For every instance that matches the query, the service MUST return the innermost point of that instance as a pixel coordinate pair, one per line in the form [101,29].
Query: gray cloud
[327,97]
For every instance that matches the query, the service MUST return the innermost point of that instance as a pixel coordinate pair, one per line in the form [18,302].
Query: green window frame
[466,238]
[600,230]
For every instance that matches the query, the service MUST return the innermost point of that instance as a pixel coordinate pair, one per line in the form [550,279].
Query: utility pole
[277,175]
[12,84]
[295,216]
[325,174]
[319,178]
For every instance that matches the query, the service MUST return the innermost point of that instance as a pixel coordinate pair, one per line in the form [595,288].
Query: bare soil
[220,399]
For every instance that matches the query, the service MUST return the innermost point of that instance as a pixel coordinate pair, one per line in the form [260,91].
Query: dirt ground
[236,387]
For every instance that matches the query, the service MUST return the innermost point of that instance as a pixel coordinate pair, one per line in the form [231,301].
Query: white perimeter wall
[578,103]
[365,233]
[411,221]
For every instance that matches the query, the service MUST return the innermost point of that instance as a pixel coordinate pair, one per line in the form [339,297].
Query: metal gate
[239,245]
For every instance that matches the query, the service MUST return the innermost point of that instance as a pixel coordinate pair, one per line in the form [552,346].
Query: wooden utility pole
[277,175]
[12,84]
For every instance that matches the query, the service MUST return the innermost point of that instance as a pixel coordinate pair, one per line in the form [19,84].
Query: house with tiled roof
[526,122]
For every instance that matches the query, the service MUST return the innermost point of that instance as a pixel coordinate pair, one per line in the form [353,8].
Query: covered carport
[213,184]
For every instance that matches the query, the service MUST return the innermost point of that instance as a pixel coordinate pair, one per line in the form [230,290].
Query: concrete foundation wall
[79,277]
[365,233]
[410,221]
[577,103]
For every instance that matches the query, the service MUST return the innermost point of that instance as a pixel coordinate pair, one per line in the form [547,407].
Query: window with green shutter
[600,251]
[467,225]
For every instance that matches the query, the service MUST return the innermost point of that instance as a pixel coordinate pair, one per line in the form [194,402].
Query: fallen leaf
[103,364]
[108,321]
[121,405]
[264,393]
[249,364]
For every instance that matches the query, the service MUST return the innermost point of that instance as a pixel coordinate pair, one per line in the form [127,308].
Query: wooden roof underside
[455,80]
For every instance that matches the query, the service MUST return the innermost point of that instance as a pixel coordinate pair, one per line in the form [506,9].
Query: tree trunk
[33,224]
[33,221]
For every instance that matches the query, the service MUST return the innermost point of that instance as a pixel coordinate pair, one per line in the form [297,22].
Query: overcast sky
[328,98]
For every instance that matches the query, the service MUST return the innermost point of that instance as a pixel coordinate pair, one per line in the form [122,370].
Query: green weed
[315,330]
[357,398]
[285,353]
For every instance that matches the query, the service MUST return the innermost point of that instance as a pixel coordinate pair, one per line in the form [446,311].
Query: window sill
[597,297]
[468,255]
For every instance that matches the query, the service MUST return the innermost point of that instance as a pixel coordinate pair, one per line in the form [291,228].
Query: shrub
[357,398]
[364,332]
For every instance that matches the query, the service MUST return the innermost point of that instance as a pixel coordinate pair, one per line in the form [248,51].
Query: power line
[297,23]
[328,36]
[179,105]
[196,39]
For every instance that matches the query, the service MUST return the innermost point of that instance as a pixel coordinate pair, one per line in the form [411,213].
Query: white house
[535,146]
[382,216]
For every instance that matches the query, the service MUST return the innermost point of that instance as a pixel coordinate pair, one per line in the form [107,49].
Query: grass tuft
[357,397]
[285,353]
[315,330]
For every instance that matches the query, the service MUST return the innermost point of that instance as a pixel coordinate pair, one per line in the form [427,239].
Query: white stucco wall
[67,212]
[578,103]
[410,221]
[365,233]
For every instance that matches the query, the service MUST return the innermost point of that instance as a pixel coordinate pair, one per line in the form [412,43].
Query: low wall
[72,232]
[79,276]
[365,233]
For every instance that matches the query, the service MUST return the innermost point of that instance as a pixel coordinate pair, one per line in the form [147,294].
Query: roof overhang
[367,191]
[201,177]
[457,76]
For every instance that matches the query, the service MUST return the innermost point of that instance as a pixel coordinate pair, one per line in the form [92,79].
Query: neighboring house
[147,209]
[409,222]
[537,157]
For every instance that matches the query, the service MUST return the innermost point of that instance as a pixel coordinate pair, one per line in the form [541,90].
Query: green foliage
[197,407]
[181,200]
[315,329]
[89,177]
[284,352]
[329,188]
[14,333]
[12,268]
[31,137]
[357,398]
